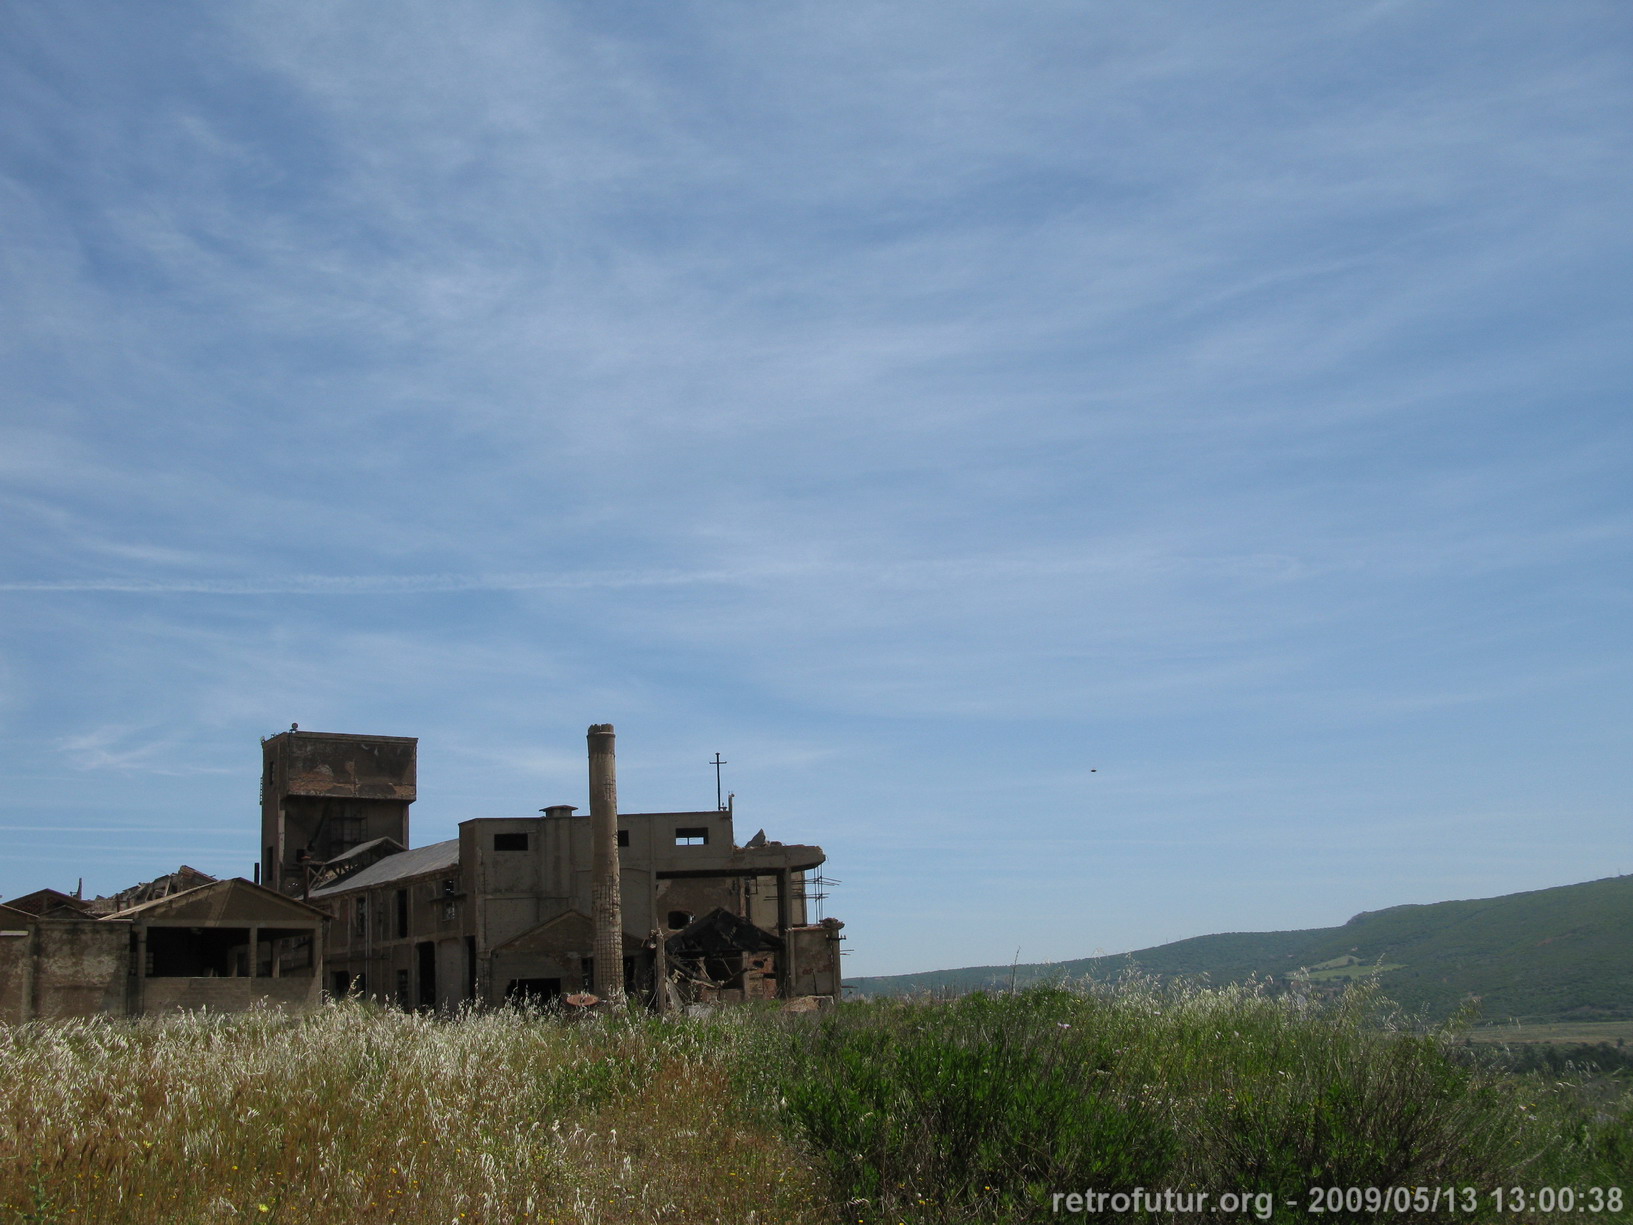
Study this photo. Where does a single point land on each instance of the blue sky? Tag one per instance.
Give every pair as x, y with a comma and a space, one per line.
1107, 472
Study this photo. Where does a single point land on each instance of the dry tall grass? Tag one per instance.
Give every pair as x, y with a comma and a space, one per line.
355, 1114
973, 1111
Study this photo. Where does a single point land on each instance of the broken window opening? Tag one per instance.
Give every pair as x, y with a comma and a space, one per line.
532, 992
198, 952
679, 919
692, 835
428, 974
510, 842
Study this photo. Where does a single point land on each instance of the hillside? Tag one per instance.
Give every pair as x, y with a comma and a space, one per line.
1550, 954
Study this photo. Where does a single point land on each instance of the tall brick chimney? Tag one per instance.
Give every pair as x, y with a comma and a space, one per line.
607, 980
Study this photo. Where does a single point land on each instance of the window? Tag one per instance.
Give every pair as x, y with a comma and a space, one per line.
450, 888
510, 842
692, 835
532, 992
623, 837
360, 916
679, 919
402, 913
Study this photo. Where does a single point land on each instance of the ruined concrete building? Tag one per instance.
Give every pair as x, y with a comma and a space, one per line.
505, 911
218, 944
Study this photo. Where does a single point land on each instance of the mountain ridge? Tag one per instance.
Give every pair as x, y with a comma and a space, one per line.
1559, 953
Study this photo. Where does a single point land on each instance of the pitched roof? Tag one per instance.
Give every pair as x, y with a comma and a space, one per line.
437, 857
720, 931
222, 901
48, 903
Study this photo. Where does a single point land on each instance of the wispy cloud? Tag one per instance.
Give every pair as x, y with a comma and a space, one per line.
906, 400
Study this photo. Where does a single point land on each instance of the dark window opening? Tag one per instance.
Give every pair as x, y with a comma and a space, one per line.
402, 913
532, 992
340, 983
428, 974
360, 917
510, 842
623, 837
679, 919
286, 952
198, 952
403, 1001
449, 888
692, 835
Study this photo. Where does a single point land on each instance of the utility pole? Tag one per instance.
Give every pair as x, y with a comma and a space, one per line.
719, 803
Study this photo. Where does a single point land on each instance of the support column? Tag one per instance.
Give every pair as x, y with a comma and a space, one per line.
606, 910
785, 910
138, 1003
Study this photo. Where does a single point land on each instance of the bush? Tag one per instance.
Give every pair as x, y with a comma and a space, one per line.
984, 1108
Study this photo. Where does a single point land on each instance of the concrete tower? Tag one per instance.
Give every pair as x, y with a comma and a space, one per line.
323, 793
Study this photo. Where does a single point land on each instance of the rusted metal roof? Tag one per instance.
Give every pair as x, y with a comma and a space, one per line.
438, 857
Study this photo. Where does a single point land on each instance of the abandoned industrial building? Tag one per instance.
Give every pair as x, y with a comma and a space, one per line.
664, 909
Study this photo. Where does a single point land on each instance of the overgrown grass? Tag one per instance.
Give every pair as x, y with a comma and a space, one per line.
981, 1109
975, 1110
358, 1114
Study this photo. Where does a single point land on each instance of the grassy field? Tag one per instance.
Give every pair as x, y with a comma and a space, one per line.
979, 1110
1571, 1032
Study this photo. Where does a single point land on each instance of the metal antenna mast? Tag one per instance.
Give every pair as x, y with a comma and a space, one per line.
717, 763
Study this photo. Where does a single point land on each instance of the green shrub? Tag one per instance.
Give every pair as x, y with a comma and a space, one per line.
984, 1108
987, 1104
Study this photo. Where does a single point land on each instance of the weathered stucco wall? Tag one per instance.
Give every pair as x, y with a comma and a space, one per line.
81, 967
228, 994
16, 967
816, 959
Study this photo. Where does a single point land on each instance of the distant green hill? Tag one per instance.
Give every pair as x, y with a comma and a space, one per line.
1549, 955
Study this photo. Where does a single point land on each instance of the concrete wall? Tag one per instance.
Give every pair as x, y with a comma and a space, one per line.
816, 959
521, 888
228, 994
63, 968
333, 791
81, 967
697, 896
16, 968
